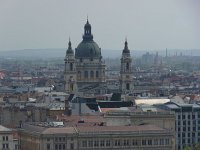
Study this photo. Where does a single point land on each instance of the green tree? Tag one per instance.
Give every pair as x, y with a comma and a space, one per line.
187, 148
197, 147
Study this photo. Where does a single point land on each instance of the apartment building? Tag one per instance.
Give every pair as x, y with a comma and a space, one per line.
187, 123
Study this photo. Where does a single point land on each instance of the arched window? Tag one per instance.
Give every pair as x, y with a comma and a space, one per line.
103, 73
97, 74
79, 75
86, 74
127, 66
92, 74
71, 87
127, 86
71, 66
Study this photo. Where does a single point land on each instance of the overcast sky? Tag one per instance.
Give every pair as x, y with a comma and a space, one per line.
147, 24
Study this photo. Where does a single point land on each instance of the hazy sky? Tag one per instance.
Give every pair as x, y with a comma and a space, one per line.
147, 24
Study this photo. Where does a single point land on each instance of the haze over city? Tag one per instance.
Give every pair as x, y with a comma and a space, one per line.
155, 24
99, 74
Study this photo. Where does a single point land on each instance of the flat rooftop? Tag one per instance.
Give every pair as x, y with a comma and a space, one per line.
34, 129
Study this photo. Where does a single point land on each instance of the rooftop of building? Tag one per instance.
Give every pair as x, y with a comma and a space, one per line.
151, 101
140, 128
176, 105
142, 109
4, 129
44, 128
83, 120
38, 129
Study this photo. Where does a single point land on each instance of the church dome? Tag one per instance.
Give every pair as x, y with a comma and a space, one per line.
88, 48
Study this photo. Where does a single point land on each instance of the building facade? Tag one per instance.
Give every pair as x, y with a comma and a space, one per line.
187, 124
89, 63
164, 120
85, 70
7, 140
146, 137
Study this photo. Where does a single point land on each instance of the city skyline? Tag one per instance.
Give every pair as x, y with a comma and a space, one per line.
151, 24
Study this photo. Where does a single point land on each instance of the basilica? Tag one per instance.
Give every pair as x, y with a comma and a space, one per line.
85, 70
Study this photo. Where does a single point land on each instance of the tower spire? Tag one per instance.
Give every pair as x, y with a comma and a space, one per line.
69, 44
87, 19
126, 44
126, 83
126, 50
69, 49
70, 70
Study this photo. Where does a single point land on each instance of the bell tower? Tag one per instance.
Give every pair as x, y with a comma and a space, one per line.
126, 80
70, 71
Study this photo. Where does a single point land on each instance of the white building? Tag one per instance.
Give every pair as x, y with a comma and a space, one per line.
7, 141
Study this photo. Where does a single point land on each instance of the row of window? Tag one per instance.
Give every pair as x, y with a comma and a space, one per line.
86, 74
60, 146
60, 139
189, 134
189, 116
91, 59
6, 146
187, 141
189, 129
5, 138
189, 122
125, 142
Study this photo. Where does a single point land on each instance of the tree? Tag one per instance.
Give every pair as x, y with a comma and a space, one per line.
187, 148
197, 147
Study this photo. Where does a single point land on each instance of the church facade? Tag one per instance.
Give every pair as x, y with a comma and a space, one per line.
85, 69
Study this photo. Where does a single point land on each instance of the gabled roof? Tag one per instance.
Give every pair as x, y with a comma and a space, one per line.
4, 129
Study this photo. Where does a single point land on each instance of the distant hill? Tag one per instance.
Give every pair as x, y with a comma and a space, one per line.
52, 53
60, 53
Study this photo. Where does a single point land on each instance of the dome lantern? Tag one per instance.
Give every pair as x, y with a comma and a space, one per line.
87, 32
88, 48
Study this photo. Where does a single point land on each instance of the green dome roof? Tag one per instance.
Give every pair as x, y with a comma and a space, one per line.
88, 49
